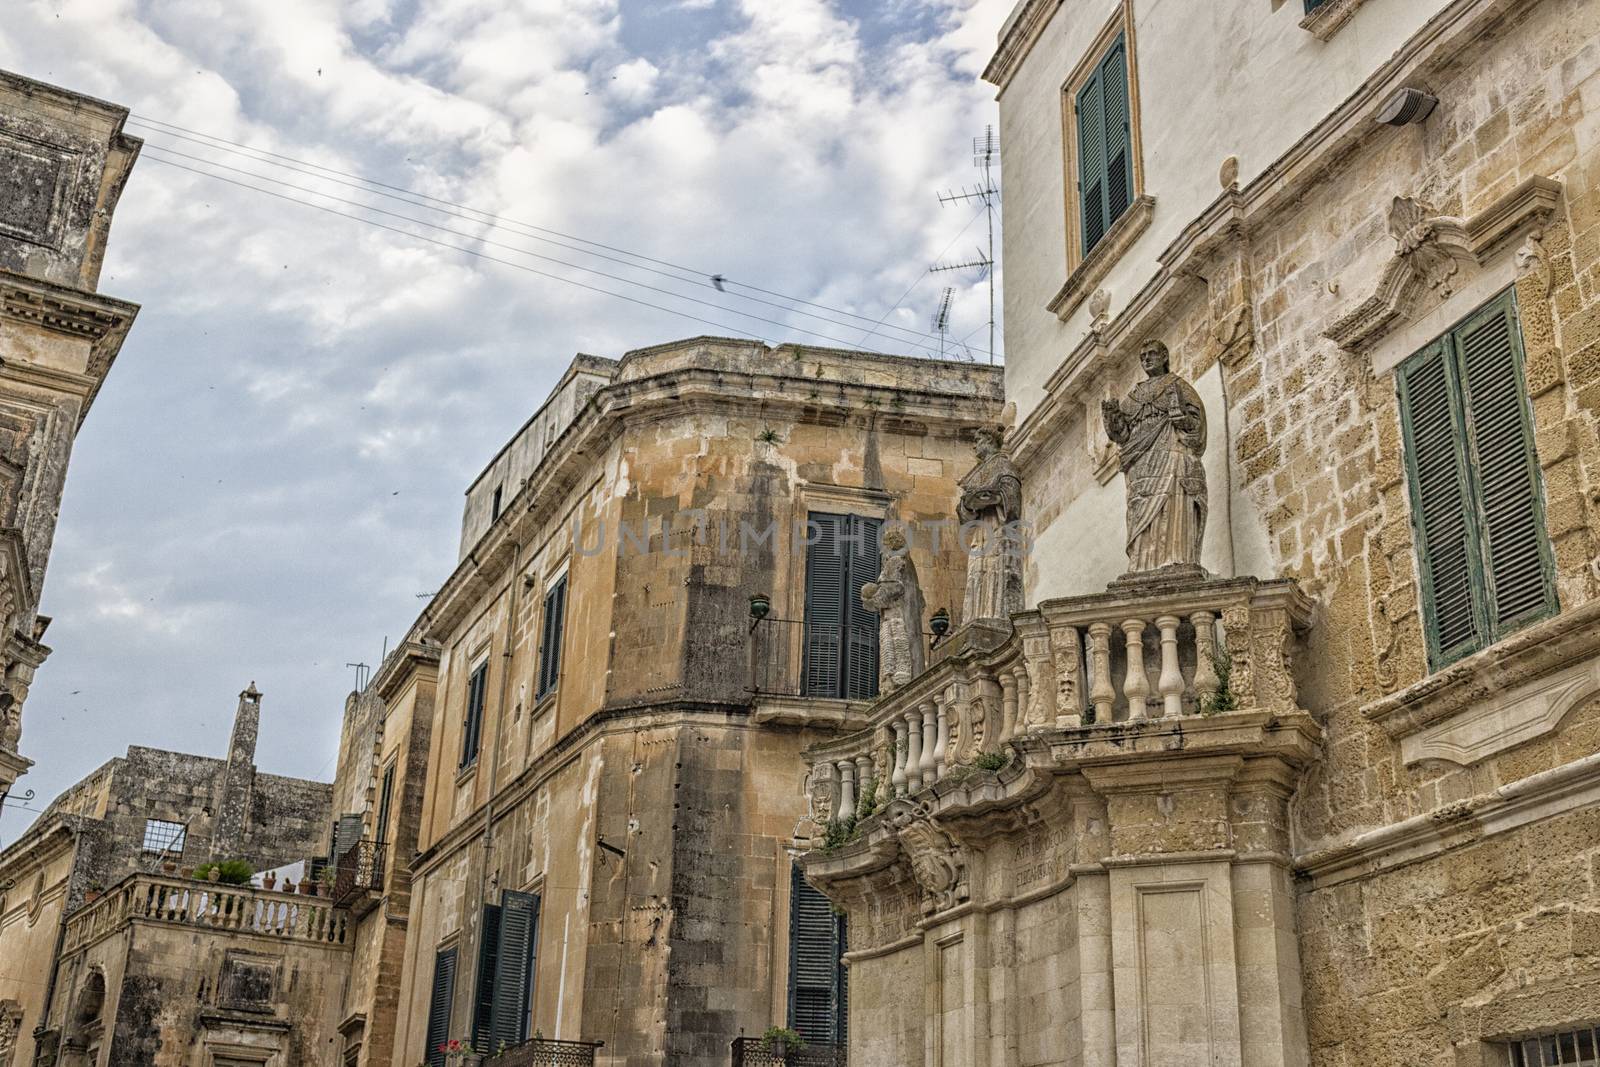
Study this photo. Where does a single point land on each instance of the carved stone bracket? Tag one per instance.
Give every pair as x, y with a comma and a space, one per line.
1430, 251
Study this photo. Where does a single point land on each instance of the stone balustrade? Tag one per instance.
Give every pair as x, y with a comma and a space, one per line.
208, 905
1147, 649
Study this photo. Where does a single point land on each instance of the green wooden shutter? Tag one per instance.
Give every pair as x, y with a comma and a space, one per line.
513, 976
385, 802
472, 725
861, 649
1118, 132
555, 612
817, 1004
824, 619
1440, 503
484, 991
444, 991
1518, 567
1476, 505
1092, 162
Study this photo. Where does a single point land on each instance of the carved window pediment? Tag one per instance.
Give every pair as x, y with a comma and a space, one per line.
1434, 255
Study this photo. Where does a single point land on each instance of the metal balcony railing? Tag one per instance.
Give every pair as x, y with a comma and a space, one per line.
358, 872
758, 1052
542, 1052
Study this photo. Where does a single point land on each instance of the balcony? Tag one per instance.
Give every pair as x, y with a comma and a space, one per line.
205, 906
358, 877
1145, 665
542, 1052
755, 1052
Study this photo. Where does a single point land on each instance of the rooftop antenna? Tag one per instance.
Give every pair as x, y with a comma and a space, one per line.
362, 672
986, 157
941, 318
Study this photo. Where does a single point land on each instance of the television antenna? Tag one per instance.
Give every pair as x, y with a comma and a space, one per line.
986, 157
941, 318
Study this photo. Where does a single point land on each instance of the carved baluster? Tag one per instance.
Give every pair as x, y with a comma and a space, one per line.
866, 784
901, 749
1069, 677
1170, 684
930, 740
1023, 692
1206, 682
941, 744
1102, 695
913, 722
847, 789
1008, 707
1136, 685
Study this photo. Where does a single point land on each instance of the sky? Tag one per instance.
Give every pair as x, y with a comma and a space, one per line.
274, 469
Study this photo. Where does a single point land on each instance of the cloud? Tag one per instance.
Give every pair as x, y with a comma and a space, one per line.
274, 469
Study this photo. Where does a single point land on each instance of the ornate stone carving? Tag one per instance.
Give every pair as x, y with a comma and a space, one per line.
1430, 251
1241, 672
1533, 260
1160, 428
1039, 663
10, 1025
897, 598
1275, 688
991, 509
1099, 310
937, 863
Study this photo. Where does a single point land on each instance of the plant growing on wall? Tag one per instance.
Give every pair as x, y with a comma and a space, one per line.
839, 832
1224, 699
780, 1041
990, 761
867, 803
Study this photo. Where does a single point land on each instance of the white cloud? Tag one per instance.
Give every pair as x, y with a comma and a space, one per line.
275, 466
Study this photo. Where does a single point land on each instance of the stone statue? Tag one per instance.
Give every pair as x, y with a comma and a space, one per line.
897, 598
1161, 429
991, 510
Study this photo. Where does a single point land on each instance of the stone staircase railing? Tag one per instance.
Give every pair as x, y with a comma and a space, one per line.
1158, 648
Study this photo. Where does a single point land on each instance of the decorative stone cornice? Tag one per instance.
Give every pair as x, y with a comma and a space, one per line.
1430, 250
1097, 264
1507, 694
1017, 38
401, 664
1330, 17
1537, 797
101, 320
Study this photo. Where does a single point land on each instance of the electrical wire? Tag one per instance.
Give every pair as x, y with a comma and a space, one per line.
455, 209
483, 240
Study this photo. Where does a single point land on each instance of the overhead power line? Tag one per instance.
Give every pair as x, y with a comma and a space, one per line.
675, 271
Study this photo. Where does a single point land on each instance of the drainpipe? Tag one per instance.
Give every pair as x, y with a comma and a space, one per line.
505, 694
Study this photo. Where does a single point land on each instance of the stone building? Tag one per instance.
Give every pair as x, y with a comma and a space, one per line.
88, 891
581, 771
63, 161
1335, 798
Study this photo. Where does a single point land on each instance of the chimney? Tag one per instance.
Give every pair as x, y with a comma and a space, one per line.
238, 780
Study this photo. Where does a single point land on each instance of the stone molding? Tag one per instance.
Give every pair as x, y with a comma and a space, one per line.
1238, 210
1329, 18
1507, 694
1089, 273
1541, 796
101, 320
1429, 252
1017, 38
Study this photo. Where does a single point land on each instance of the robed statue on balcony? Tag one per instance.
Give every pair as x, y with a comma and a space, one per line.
897, 598
1161, 429
991, 515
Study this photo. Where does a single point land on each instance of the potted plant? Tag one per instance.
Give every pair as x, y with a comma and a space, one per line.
235, 872
269, 880
457, 1051
781, 1041
93, 892
169, 865
308, 888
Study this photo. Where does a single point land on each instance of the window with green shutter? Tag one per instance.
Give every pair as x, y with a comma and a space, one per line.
507, 953
555, 612
818, 993
840, 634
444, 990
472, 722
1105, 145
1477, 509
385, 805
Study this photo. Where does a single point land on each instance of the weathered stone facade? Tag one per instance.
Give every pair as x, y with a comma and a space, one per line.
650, 794
1414, 880
93, 842
63, 161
